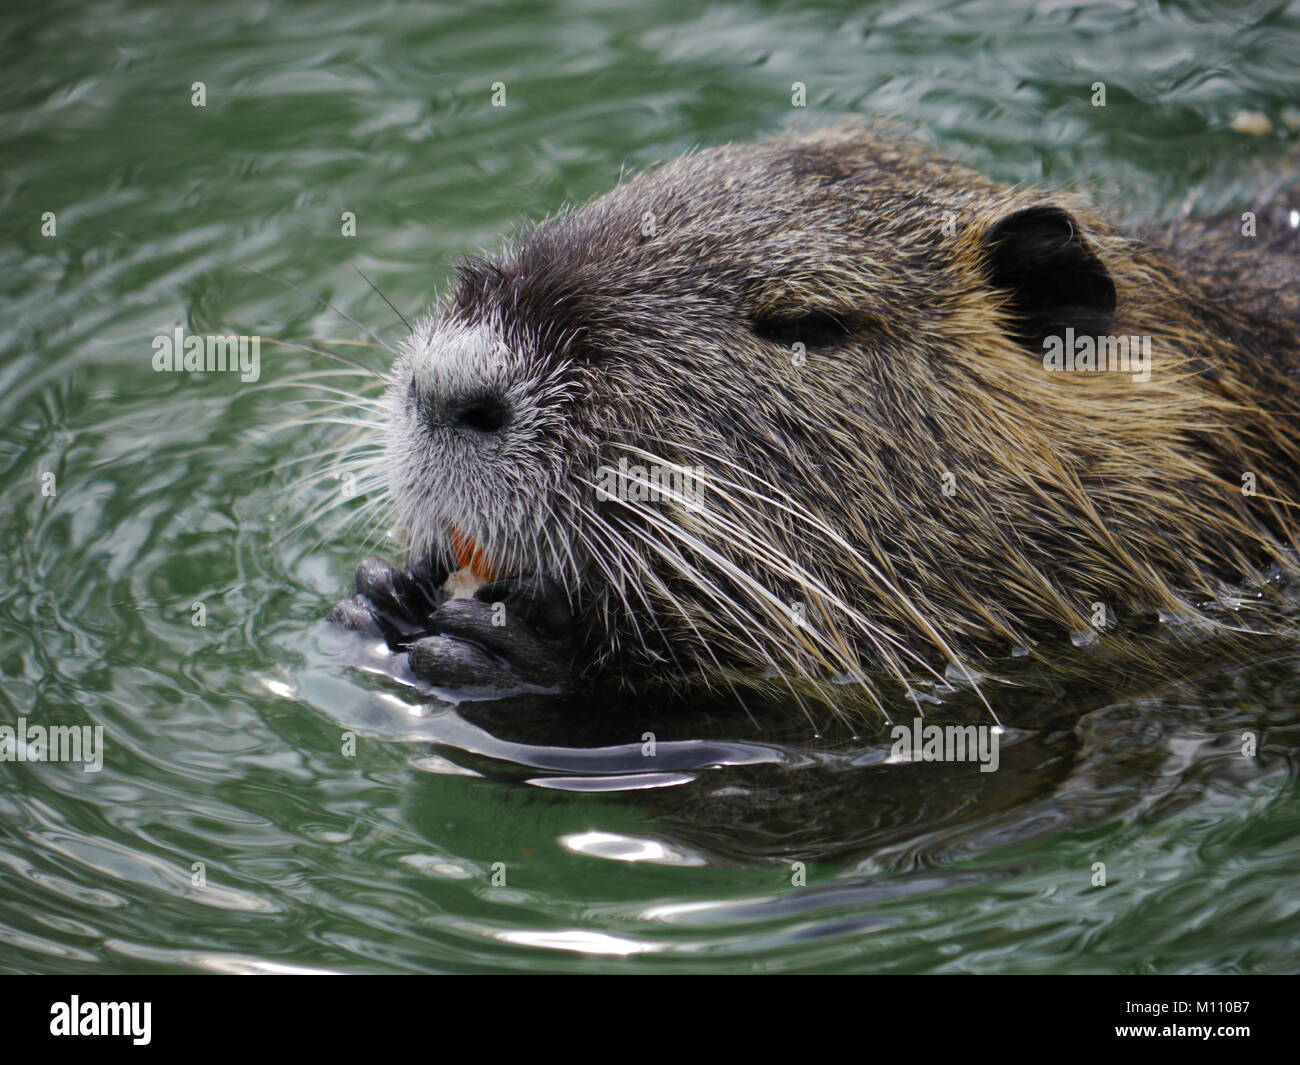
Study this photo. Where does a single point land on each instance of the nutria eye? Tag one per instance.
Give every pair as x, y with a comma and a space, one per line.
816, 329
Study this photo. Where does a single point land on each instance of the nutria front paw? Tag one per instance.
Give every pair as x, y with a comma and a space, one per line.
390, 604
513, 632
524, 622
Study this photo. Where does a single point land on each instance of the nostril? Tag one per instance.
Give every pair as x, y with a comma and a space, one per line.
483, 416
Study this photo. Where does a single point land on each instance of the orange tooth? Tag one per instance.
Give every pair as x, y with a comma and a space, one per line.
470, 556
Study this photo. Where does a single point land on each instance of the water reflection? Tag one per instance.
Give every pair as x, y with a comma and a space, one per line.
1099, 733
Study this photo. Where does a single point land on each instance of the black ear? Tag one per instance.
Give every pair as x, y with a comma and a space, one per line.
1053, 278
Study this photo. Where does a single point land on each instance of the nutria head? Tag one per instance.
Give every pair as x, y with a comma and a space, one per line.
844, 337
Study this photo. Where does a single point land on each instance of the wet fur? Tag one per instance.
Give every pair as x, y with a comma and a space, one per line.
670, 343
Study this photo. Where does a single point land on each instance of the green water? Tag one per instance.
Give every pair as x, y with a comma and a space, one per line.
448, 841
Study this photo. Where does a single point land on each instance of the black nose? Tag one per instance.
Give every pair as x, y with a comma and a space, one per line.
484, 414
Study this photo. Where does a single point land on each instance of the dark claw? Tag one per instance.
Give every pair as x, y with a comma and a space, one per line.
536, 601
392, 591
451, 663
429, 575
533, 653
361, 615
358, 616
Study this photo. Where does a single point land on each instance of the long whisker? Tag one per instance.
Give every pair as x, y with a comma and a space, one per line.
324, 303
375, 288
869, 571
332, 355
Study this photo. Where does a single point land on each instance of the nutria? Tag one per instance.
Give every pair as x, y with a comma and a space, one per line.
841, 344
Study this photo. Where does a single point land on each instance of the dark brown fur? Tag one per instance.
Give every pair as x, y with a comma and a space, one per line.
664, 312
